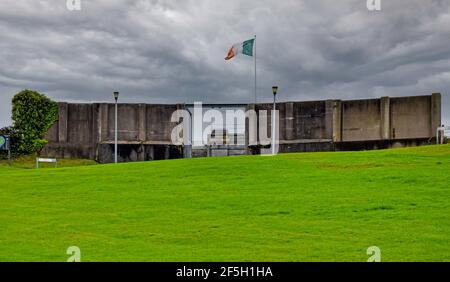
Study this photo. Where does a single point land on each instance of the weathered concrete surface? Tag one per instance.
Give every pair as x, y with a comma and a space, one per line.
72, 136
310, 120
361, 120
307, 147
87, 130
411, 117
435, 112
337, 121
300, 120
137, 152
385, 122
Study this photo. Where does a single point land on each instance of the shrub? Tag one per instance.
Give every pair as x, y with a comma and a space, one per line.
33, 114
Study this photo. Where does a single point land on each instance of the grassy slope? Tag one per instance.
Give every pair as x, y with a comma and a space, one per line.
29, 162
292, 207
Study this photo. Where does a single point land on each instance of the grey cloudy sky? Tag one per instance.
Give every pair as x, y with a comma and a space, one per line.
173, 51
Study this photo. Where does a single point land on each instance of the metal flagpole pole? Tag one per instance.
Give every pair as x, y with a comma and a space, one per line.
254, 55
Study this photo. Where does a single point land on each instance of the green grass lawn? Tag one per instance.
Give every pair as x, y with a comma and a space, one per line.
292, 207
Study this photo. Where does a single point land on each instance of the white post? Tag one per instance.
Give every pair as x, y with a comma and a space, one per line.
274, 117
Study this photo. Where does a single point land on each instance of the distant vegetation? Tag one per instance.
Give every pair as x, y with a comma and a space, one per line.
33, 114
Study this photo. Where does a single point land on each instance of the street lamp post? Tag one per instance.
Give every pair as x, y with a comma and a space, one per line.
116, 97
274, 91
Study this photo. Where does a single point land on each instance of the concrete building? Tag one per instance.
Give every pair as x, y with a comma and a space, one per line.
87, 130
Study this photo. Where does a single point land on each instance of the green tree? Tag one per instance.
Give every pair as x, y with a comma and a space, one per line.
33, 114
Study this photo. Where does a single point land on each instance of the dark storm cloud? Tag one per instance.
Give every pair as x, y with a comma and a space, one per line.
173, 51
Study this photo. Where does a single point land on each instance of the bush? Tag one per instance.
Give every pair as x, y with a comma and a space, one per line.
33, 114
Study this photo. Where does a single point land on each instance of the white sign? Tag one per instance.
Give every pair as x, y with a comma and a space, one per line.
46, 160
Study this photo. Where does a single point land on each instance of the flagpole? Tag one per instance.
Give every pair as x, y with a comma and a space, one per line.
256, 97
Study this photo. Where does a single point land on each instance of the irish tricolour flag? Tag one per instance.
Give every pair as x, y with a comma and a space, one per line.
245, 48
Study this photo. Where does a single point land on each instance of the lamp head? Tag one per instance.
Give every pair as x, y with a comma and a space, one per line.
275, 90
116, 95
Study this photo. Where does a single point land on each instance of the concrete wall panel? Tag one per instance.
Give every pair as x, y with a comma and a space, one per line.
411, 117
79, 123
310, 120
158, 122
52, 134
127, 122
361, 120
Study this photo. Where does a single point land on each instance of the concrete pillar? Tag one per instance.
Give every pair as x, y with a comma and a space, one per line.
104, 128
435, 113
62, 122
142, 122
96, 130
337, 121
329, 110
385, 120
289, 121
98, 122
